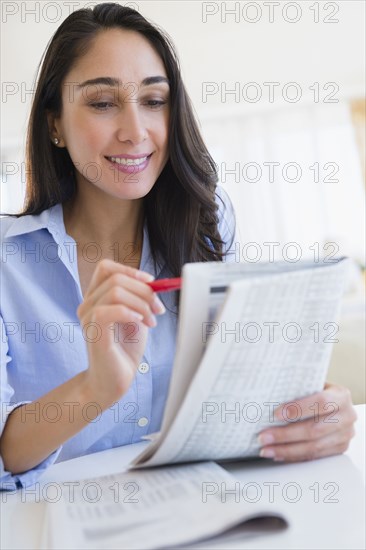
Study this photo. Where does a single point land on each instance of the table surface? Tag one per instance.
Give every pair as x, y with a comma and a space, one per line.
324, 500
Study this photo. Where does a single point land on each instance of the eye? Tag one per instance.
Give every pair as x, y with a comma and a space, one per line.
155, 103
101, 106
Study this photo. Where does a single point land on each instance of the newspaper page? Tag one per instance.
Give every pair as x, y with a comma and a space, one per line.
134, 509
269, 343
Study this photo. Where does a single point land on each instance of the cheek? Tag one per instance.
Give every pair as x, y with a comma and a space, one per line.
85, 136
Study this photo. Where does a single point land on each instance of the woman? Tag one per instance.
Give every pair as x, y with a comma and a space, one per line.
121, 190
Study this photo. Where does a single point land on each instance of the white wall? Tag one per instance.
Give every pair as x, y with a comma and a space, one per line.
224, 53
305, 52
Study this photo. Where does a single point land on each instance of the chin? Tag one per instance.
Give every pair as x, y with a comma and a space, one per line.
132, 192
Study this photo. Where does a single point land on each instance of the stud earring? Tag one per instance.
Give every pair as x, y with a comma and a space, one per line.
56, 141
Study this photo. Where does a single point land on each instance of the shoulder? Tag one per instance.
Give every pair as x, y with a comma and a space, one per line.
6, 243
6, 222
226, 211
22, 225
227, 219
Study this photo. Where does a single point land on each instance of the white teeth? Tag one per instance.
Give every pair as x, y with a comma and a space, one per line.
128, 162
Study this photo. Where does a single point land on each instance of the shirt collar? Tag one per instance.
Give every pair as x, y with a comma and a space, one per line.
34, 222
52, 219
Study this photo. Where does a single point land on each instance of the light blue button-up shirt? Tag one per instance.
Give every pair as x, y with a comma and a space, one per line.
43, 345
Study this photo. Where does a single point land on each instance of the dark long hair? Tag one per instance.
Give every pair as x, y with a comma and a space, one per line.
181, 211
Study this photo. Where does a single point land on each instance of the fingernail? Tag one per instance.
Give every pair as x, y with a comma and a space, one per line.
143, 276
158, 306
292, 412
267, 453
137, 315
265, 438
153, 320
278, 414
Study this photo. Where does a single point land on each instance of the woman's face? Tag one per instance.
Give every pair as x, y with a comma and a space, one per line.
110, 130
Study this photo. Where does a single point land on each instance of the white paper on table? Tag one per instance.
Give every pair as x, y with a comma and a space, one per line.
174, 505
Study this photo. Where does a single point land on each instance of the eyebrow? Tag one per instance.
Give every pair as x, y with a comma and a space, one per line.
111, 81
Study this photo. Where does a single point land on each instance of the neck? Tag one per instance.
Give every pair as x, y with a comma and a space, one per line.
95, 217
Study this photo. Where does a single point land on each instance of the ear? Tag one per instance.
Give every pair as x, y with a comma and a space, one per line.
54, 128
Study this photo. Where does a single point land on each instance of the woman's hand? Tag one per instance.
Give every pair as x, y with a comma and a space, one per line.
117, 310
319, 425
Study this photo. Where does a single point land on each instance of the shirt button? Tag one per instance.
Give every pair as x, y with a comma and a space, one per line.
142, 421
143, 368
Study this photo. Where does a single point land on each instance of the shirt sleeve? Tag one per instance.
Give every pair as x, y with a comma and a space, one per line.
227, 224
8, 481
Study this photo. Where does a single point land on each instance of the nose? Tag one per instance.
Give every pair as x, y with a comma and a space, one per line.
131, 126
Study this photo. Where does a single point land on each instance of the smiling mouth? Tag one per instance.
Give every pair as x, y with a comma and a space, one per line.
128, 161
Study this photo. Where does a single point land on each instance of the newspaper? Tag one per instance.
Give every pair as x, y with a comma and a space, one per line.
250, 337
159, 508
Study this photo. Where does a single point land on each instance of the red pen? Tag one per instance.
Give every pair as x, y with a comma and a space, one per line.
166, 285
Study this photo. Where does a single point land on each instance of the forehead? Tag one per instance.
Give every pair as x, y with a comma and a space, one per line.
118, 52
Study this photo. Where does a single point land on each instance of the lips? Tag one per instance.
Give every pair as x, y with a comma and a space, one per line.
129, 164
129, 160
